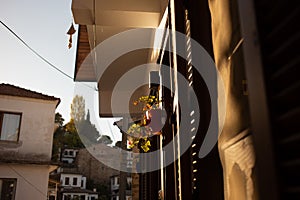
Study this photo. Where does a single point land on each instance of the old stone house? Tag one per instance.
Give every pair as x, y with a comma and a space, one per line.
27, 126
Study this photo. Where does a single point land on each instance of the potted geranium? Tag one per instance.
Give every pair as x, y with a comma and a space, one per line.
139, 133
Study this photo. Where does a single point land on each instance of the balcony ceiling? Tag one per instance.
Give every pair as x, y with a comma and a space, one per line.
123, 13
101, 19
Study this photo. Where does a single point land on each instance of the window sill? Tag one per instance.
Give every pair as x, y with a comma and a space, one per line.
10, 144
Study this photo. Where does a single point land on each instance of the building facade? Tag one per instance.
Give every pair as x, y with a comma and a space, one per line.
67, 182
252, 44
115, 186
73, 186
27, 126
69, 155
92, 168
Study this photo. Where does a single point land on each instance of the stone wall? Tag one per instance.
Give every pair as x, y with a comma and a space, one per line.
93, 169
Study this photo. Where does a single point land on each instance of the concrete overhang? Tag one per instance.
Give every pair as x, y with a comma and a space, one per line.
99, 20
129, 13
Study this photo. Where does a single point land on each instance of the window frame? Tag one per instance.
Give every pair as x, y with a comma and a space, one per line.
67, 181
15, 186
2, 113
75, 181
66, 153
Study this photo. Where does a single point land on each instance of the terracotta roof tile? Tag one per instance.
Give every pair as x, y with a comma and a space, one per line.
11, 90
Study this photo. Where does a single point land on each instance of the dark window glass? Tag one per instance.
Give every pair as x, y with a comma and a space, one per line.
7, 189
67, 181
74, 181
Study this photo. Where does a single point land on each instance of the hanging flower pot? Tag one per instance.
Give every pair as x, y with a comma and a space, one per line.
154, 117
139, 133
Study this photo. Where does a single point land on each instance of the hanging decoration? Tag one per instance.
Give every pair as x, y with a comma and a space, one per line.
139, 132
70, 32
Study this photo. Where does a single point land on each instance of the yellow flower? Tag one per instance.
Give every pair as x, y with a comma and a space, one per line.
131, 145
146, 145
133, 142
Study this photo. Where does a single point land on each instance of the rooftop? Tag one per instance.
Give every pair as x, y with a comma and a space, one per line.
11, 90
78, 190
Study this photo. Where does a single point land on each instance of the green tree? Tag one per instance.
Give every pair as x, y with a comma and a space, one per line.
57, 136
78, 109
65, 136
78, 132
105, 139
59, 119
71, 137
88, 131
118, 144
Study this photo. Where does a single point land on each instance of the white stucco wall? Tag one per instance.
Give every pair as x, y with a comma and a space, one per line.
71, 176
36, 130
32, 180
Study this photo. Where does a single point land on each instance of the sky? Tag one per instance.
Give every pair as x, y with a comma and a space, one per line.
43, 26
